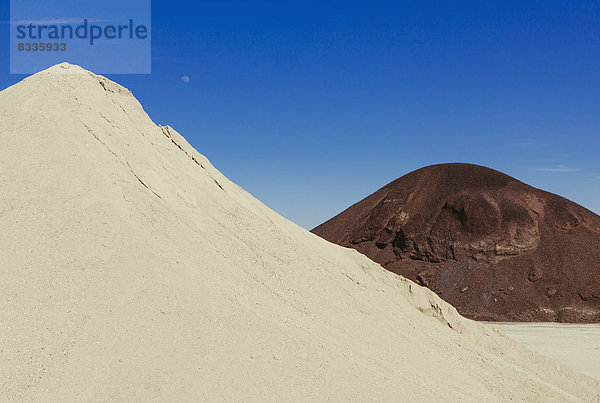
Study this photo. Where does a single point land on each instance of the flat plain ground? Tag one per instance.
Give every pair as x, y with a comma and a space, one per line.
575, 345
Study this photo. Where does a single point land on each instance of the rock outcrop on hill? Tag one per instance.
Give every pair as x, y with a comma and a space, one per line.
492, 246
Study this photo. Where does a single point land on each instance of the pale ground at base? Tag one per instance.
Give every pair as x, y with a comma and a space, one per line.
576, 345
132, 270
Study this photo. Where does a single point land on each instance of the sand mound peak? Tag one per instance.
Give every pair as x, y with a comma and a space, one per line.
131, 269
64, 68
68, 81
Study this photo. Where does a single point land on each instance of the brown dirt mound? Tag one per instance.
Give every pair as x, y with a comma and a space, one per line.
492, 246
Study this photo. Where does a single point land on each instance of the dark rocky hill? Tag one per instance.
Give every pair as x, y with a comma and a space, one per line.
492, 246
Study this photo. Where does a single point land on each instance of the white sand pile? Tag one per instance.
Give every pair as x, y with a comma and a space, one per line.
131, 269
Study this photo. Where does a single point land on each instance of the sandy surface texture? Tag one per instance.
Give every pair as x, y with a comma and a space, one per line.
575, 345
132, 270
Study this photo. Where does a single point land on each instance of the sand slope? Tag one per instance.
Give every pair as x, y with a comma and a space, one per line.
131, 269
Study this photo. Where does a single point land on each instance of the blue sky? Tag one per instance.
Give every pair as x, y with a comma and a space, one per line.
311, 107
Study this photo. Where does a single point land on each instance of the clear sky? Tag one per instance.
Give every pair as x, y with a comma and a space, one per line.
311, 106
